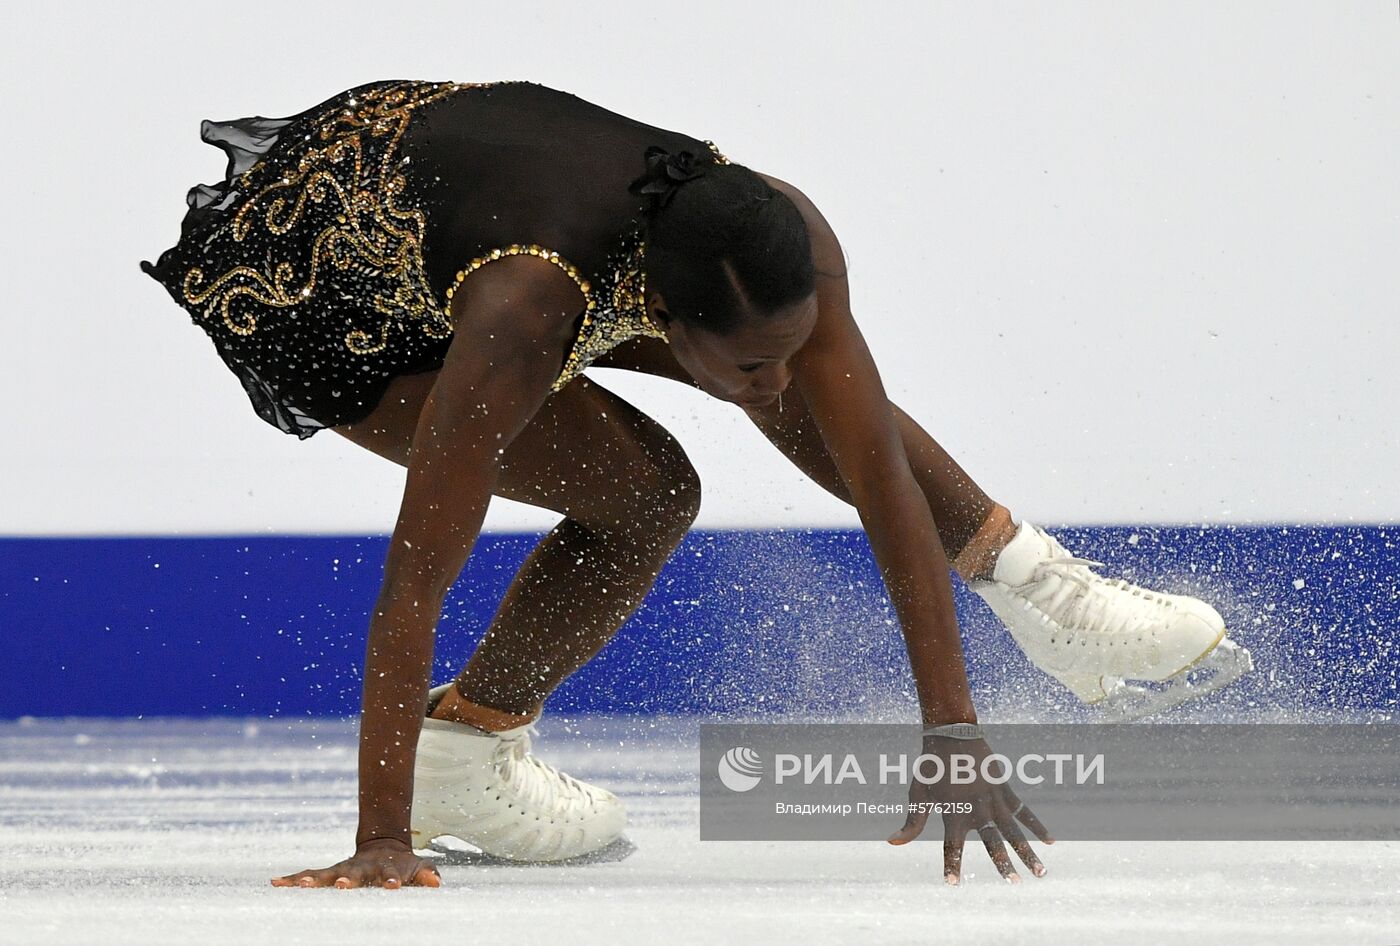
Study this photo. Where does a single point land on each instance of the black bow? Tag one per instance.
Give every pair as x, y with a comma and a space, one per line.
665, 173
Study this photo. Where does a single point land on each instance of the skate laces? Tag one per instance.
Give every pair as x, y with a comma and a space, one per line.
1066, 590
537, 783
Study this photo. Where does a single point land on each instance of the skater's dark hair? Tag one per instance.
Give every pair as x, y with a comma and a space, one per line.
722, 244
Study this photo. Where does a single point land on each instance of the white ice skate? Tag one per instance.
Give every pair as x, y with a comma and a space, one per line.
487, 789
1092, 634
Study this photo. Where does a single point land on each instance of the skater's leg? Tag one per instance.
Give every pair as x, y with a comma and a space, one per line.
628, 494
1058, 607
569, 598
972, 527
978, 528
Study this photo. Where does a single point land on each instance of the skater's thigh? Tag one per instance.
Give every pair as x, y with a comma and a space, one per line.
587, 454
388, 430
601, 461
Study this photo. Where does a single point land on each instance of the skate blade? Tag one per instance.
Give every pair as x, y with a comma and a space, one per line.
1219, 668
618, 850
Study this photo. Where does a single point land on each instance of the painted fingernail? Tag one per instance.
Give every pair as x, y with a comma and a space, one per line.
951, 879
1039, 870
1013, 878
306, 882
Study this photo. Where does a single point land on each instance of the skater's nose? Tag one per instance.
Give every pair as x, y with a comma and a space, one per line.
769, 382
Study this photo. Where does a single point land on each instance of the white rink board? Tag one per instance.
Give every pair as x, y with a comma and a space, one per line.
168, 831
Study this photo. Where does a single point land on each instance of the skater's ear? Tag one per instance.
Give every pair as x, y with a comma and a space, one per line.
657, 312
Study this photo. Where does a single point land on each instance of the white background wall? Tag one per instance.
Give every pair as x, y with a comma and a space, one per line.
1130, 261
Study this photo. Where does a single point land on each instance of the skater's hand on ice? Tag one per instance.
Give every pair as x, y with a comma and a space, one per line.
378, 863
990, 810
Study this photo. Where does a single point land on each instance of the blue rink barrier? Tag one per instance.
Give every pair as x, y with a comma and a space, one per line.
738, 622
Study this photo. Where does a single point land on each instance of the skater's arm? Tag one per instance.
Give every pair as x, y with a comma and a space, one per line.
497, 373
836, 375
496, 376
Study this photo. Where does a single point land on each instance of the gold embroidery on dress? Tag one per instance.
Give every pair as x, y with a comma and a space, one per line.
372, 236
616, 316
382, 242
606, 327
610, 316
719, 155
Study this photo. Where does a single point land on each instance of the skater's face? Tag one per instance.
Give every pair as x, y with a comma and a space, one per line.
747, 366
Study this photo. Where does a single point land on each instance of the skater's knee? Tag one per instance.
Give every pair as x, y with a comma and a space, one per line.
656, 496
673, 498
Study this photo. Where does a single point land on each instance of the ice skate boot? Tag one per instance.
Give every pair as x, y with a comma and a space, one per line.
485, 788
1093, 634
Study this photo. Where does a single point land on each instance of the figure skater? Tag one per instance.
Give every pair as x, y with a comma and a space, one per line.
427, 268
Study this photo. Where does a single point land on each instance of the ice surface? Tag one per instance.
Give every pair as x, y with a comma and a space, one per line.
167, 831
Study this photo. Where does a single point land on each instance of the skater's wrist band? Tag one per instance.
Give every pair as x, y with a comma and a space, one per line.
955, 731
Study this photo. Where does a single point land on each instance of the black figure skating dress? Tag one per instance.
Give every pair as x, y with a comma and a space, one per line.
323, 265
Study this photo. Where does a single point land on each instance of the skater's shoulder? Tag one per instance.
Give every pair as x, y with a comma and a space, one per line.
827, 255
520, 298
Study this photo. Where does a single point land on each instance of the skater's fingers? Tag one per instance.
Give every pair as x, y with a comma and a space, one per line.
1023, 814
1007, 826
306, 878
954, 836
427, 876
991, 839
389, 876
396, 876
913, 825
290, 880
353, 873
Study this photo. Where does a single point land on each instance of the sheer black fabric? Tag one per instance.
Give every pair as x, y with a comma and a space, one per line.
320, 265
